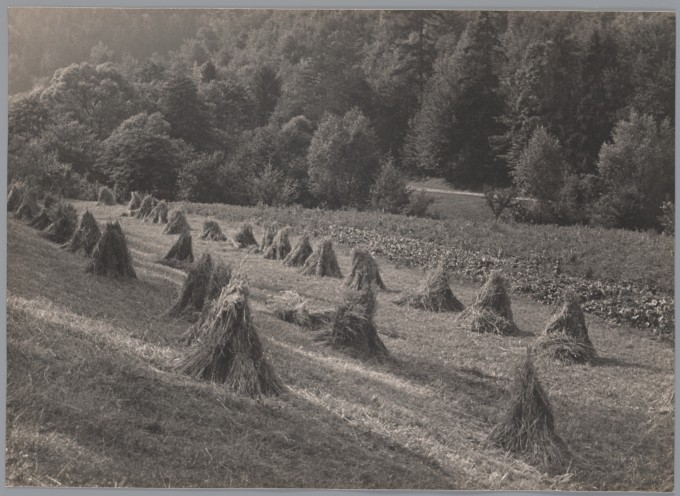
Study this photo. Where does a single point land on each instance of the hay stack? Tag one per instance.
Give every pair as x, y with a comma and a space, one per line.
145, 207
267, 238
491, 311
106, 197
528, 426
434, 294
212, 231
42, 220
159, 213
15, 196
299, 255
353, 328
322, 262
220, 276
290, 307
228, 350
177, 223
111, 256
566, 335
133, 204
364, 270
49, 200
203, 281
86, 236
244, 237
64, 224
28, 208
280, 245
181, 253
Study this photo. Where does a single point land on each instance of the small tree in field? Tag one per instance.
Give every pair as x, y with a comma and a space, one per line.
389, 193
540, 169
499, 199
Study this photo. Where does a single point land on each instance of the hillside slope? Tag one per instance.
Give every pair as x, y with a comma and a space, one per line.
92, 399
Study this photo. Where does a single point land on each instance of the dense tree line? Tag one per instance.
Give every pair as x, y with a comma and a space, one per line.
334, 108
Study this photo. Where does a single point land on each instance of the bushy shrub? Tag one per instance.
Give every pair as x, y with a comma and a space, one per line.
667, 219
498, 200
418, 205
540, 167
625, 208
273, 188
389, 192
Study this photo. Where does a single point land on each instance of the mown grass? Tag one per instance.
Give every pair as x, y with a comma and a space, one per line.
607, 255
93, 400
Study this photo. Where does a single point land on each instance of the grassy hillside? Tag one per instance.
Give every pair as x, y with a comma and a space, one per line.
92, 398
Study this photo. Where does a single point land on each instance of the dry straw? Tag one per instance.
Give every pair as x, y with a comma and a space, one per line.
212, 231
145, 207
181, 253
28, 208
267, 238
15, 196
491, 311
323, 261
244, 237
204, 282
300, 253
159, 213
177, 223
434, 294
86, 236
106, 197
64, 223
527, 427
566, 335
42, 220
228, 350
290, 307
364, 270
353, 328
134, 203
111, 256
279, 248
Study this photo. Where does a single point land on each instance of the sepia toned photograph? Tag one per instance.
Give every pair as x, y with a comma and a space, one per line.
340, 249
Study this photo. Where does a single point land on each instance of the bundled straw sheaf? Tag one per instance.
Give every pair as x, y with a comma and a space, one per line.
111, 256
86, 236
204, 282
353, 328
434, 294
145, 207
290, 307
181, 253
300, 253
566, 335
106, 197
228, 350
177, 223
364, 270
64, 223
212, 231
528, 427
43, 219
267, 238
159, 213
491, 311
279, 248
15, 196
133, 204
322, 262
28, 208
244, 237
49, 200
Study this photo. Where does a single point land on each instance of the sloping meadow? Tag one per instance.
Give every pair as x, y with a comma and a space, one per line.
94, 399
